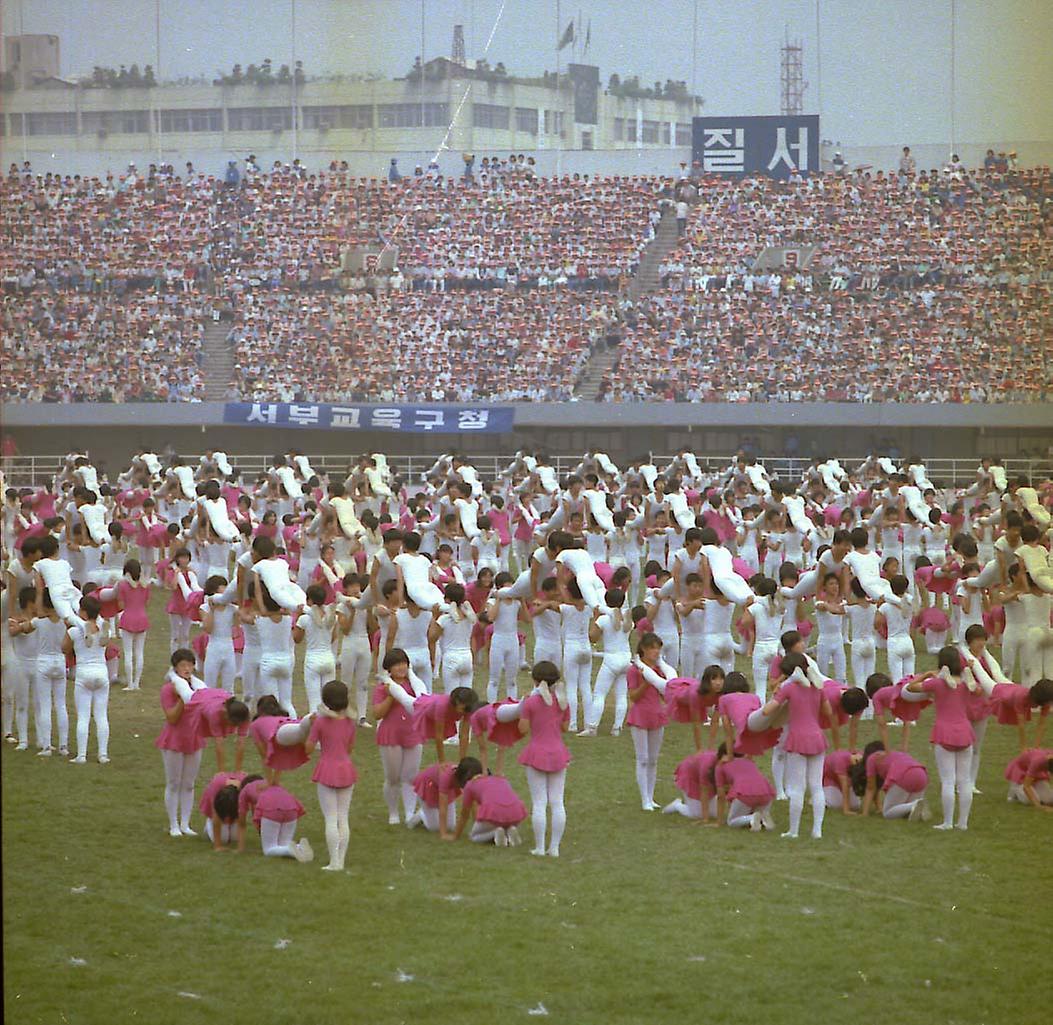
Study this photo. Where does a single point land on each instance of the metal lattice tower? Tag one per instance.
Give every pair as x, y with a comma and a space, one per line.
792, 77
457, 56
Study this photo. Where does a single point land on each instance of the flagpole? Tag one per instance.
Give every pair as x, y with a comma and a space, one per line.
559, 103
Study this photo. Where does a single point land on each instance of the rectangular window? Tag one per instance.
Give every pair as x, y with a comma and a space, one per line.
683, 134
650, 131
526, 120
210, 120
360, 116
665, 133
489, 115
553, 122
133, 122
259, 119
619, 129
630, 129
47, 123
410, 115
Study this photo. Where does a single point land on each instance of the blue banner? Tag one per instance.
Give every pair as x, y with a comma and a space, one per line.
749, 146
355, 417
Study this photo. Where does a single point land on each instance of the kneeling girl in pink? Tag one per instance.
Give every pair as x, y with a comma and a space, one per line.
496, 806
438, 790
275, 813
894, 782
744, 795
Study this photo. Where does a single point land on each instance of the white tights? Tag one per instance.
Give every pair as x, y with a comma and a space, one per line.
219, 668
955, 769
250, 674
900, 658
317, 673
740, 815
276, 838
17, 681
647, 744
430, 817
275, 677
483, 832
179, 627
831, 652
898, 804
577, 672
504, 662
49, 684
336, 805
690, 807
979, 731
401, 764
355, 660
91, 697
134, 645
546, 792
613, 670
805, 771
180, 775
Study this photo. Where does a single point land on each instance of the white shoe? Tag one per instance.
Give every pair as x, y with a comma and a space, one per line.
964, 829
587, 732
755, 822
451, 741
789, 836
781, 797
500, 837
22, 747
303, 852
364, 723
616, 731
413, 821
553, 852
331, 868
943, 826
11, 738
977, 791
187, 831
514, 839
174, 831
537, 852
130, 687
394, 820
104, 760
45, 752
64, 751
766, 820
79, 760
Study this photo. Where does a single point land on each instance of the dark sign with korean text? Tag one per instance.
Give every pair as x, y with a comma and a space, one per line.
356, 417
750, 146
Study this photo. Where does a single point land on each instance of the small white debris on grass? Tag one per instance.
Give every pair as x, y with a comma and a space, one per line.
175, 914
78, 962
699, 958
807, 911
282, 944
401, 976
187, 995
541, 1011
453, 898
78, 889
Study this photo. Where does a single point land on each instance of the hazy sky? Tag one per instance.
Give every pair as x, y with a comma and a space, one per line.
885, 63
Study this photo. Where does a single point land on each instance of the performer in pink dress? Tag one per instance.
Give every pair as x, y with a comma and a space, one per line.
180, 742
275, 813
400, 738
333, 731
744, 795
498, 809
437, 790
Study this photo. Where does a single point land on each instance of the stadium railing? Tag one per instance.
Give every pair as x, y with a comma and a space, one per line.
33, 471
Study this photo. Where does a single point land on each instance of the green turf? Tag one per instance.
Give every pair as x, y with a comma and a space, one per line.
645, 918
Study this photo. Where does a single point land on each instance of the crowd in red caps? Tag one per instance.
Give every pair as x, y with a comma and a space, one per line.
927, 288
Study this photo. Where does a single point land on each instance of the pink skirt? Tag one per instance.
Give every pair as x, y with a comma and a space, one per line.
277, 805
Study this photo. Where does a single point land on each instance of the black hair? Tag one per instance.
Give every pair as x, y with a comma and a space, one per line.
334, 696
503, 579
735, 683
614, 598
651, 568
854, 700
91, 607
974, 632
763, 587
790, 639
1041, 693
789, 663
268, 705
875, 681
215, 583
263, 547
467, 768
26, 597
648, 640
225, 803
454, 593
466, 698
545, 672
857, 774
950, 658
316, 594
899, 584
395, 657
182, 655
859, 537
237, 711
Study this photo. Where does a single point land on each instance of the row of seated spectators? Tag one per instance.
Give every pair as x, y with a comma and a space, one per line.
932, 288
929, 289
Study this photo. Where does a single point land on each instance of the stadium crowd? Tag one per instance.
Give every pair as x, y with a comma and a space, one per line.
930, 288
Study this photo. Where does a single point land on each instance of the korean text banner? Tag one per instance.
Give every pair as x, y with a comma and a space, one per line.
767, 146
353, 417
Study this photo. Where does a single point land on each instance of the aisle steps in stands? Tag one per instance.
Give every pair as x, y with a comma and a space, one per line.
219, 361
645, 281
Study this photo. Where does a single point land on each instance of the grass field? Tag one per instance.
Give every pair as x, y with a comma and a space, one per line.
645, 918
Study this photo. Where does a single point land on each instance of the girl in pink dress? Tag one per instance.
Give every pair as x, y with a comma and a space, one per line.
837, 781
498, 809
334, 732
219, 805
180, 742
441, 716
437, 790
279, 738
184, 605
743, 792
698, 793
275, 813
691, 701
133, 593
902, 781
488, 729
734, 707
887, 700
399, 737
804, 741
952, 733
544, 715
1029, 774
646, 680
218, 715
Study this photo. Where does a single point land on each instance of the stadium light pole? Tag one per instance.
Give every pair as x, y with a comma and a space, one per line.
157, 77
818, 59
694, 51
954, 56
295, 138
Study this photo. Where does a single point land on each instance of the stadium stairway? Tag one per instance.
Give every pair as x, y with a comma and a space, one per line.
645, 281
219, 360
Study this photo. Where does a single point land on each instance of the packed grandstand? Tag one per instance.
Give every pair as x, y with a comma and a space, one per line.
934, 287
